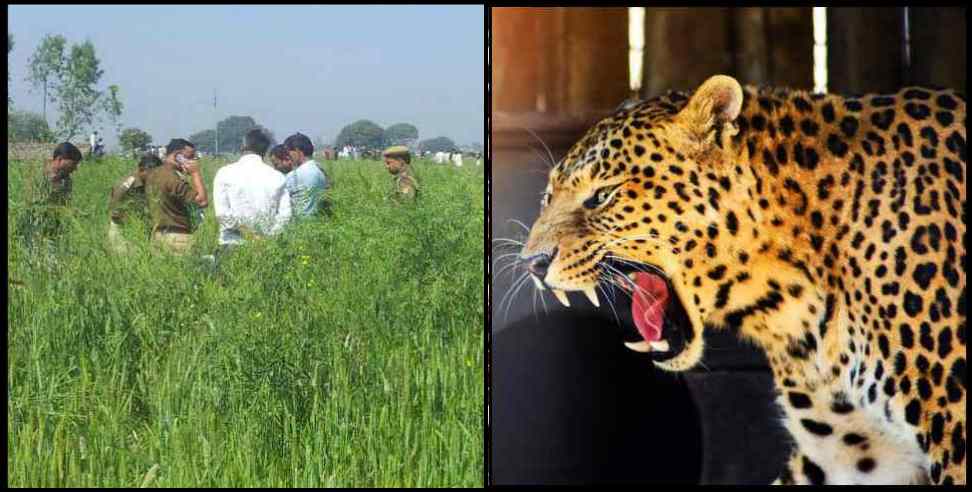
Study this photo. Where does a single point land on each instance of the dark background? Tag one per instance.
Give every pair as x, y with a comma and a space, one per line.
569, 403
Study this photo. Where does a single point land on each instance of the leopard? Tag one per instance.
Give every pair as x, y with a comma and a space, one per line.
825, 230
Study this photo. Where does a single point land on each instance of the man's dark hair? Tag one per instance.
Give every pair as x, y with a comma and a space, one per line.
177, 144
67, 150
299, 141
149, 161
256, 141
280, 152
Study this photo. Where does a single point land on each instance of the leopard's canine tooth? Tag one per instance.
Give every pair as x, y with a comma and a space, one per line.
537, 282
592, 296
641, 346
562, 297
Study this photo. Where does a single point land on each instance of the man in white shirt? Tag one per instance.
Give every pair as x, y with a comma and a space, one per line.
250, 197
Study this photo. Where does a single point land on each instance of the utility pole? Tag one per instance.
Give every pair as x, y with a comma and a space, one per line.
216, 114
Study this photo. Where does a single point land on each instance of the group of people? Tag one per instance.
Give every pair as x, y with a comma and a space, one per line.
251, 200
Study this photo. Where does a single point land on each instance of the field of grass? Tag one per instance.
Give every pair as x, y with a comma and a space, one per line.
346, 352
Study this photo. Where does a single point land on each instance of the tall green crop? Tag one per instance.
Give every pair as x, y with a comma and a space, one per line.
346, 352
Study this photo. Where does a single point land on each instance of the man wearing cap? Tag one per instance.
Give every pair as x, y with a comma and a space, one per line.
397, 162
170, 197
128, 198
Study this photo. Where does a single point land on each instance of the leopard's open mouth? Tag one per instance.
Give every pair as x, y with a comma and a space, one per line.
650, 313
643, 302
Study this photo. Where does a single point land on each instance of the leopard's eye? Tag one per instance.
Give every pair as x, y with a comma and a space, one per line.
544, 199
599, 197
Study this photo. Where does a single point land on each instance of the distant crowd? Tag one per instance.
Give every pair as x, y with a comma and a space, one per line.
252, 199
454, 157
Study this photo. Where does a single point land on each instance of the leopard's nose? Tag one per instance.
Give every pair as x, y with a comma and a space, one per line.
538, 264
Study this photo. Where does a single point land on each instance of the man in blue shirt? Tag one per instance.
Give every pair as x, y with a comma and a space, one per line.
307, 182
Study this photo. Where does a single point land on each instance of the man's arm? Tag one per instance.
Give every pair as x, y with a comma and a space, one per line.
284, 212
408, 187
115, 203
195, 174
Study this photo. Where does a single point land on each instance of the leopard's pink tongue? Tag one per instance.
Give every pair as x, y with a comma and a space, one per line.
648, 308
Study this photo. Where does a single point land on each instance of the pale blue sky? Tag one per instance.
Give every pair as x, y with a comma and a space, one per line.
292, 68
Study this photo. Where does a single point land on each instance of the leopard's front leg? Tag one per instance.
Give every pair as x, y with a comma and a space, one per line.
801, 470
943, 434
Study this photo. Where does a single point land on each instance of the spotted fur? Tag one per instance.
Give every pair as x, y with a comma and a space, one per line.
827, 230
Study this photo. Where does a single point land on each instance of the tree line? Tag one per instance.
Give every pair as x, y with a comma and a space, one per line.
368, 135
68, 75
362, 134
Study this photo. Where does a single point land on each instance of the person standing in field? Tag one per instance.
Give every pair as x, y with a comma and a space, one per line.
41, 221
93, 142
170, 197
250, 197
128, 198
397, 162
307, 182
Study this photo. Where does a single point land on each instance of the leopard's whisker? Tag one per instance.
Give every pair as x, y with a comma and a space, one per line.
506, 240
511, 267
552, 162
504, 256
610, 301
521, 224
511, 294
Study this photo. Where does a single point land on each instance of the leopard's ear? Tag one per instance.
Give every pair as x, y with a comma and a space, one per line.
716, 102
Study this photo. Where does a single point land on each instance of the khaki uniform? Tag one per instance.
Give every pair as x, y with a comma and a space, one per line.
127, 198
173, 242
404, 186
169, 197
43, 217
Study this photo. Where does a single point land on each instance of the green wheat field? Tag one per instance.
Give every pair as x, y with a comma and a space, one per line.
346, 352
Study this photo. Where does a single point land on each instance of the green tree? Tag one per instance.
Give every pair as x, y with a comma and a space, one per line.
401, 134
231, 132
46, 66
437, 144
363, 134
134, 140
77, 97
24, 126
71, 82
113, 107
205, 141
